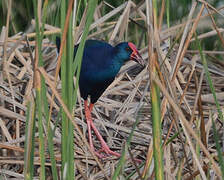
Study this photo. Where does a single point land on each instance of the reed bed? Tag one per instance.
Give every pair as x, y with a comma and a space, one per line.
189, 115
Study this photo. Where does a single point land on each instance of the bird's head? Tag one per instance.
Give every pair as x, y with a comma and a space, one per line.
127, 50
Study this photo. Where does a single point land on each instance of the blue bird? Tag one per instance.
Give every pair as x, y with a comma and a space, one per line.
101, 63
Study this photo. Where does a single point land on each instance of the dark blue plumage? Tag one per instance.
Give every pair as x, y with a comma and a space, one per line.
100, 64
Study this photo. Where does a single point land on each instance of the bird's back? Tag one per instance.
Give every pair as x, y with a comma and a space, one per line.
96, 54
97, 70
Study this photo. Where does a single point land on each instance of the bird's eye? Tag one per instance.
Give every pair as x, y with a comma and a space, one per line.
128, 49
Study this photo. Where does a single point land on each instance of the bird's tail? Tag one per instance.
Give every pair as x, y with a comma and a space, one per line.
58, 43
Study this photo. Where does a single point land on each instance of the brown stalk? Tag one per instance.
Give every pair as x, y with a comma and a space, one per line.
150, 54
186, 126
174, 28
210, 6
63, 41
214, 25
181, 99
187, 43
161, 15
200, 109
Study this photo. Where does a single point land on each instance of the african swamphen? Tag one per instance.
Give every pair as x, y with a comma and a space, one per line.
100, 64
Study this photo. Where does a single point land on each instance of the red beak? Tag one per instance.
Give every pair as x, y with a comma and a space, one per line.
135, 56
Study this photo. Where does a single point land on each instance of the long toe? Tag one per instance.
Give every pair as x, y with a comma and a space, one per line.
108, 151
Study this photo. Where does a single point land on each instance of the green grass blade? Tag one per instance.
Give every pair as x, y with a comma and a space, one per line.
168, 13
41, 100
133, 173
69, 81
67, 90
41, 135
156, 110
156, 130
64, 123
78, 58
46, 109
29, 142
38, 96
70, 141
205, 65
218, 147
124, 152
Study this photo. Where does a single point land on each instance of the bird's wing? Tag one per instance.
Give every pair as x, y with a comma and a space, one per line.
97, 44
90, 46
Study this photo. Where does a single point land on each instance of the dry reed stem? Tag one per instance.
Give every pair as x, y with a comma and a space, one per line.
214, 25
181, 52
165, 33
186, 127
121, 20
113, 113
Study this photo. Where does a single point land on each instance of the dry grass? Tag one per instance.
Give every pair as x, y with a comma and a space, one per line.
115, 112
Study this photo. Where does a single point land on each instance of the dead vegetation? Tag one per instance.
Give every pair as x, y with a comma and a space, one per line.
125, 100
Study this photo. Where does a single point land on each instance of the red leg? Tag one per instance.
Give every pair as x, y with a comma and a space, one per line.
91, 107
89, 120
90, 125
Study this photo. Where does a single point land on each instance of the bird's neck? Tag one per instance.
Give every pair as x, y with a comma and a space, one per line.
118, 58
117, 61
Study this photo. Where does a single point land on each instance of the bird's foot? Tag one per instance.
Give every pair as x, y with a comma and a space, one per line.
104, 147
104, 152
107, 151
